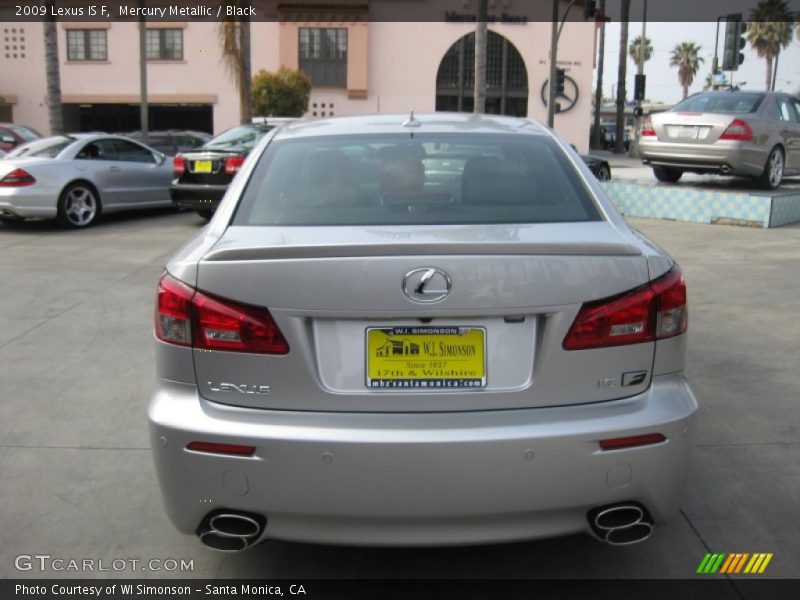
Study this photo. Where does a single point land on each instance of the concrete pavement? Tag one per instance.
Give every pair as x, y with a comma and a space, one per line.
76, 479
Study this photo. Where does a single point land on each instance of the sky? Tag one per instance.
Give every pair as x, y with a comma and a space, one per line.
662, 80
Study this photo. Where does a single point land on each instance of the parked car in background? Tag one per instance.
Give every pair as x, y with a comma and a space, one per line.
426, 330
202, 176
76, 178
609, 135
598, 166
12, 135
172, 141
750, 134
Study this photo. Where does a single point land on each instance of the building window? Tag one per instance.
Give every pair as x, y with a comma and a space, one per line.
323, 56
164, 44
506, 77
87, 44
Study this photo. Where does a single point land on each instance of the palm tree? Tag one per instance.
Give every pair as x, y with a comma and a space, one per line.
55, 110
770, 28
634, 50
685, 57
622, 71
479, 94
234, 37
598, 93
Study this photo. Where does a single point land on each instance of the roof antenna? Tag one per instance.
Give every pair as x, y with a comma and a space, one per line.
411, 121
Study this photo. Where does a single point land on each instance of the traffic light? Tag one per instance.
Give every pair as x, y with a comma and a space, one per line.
590, 10
561, 76
638, 87
735, 42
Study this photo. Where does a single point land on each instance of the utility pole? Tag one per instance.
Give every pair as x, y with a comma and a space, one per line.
479, 94
551, 86
640, 72
143, 114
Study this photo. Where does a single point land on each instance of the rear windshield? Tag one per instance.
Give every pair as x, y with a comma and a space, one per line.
26, 134
721, 102
42, 148
424, 179
238, 138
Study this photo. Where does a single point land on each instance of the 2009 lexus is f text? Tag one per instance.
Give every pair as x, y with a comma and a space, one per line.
419, 330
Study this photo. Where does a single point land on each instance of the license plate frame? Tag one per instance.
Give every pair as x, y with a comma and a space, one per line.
203, 166
445, 358
687, 132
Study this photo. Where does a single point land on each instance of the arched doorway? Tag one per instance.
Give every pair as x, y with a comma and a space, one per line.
506, 77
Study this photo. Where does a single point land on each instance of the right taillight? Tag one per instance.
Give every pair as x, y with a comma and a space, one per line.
737, 130
179, 165
188, 317
654, 311
647, 128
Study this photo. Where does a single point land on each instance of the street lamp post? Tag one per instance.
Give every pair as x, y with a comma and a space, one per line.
640, 72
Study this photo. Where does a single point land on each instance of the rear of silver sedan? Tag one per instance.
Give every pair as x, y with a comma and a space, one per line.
428, 333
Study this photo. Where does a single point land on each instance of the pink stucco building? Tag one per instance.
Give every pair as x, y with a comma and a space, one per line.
360, 61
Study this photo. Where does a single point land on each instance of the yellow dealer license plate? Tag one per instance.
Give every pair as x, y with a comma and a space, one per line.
202, 166
426, 357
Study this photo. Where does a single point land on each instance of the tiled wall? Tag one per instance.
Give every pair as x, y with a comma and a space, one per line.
703, 206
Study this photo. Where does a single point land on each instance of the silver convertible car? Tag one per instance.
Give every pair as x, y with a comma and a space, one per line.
419, 330
75, 178
750, 134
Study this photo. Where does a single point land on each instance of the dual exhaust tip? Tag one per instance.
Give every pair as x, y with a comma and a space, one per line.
233, 531
621, 524
230, 531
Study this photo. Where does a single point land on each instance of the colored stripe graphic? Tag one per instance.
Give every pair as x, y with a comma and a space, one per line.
735, 563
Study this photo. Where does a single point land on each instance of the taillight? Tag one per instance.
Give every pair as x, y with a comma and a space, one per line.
647, 128
17, 178
188, 317
233, 164
737, 130
656, 310
179, 165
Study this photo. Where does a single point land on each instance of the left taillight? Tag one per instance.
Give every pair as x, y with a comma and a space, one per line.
179, 165
657, 310
188, 317
17, 178
647, 128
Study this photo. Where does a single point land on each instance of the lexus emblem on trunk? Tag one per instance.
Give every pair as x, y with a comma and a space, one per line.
426, 285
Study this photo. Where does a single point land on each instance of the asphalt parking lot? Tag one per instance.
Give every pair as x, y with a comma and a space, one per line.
76, 367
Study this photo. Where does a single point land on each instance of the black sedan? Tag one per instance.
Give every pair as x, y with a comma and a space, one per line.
203, 175
598, 166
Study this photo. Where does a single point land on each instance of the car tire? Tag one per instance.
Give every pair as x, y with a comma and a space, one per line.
773, 170
78, 206
667, 175
603, 173
206, 214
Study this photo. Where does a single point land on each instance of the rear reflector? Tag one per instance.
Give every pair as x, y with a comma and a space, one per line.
188, 317
737, 130
17, 178
632, 441
234, 449
233, 164
179, 165
647, 128
656, 310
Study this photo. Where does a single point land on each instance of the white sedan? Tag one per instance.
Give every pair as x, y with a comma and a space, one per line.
75, 178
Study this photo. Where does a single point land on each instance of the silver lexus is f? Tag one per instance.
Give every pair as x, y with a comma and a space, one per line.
402, 330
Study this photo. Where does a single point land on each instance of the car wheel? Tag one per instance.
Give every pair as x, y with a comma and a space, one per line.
78, 206
667, 175
206, 214
603, 173
773, 170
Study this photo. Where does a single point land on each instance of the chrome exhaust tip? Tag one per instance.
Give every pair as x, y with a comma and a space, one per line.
621, 524
230, 531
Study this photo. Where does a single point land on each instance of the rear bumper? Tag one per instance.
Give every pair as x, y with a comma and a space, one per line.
721, 157
415, 479
28, 202
197, 197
